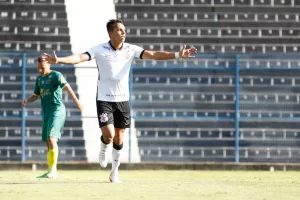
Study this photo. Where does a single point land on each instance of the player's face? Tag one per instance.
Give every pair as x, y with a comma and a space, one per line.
119, 33
43, 67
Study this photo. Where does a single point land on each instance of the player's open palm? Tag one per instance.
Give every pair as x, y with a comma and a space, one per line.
50, 59
187, 53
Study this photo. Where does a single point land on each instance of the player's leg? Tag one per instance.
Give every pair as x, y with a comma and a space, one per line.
121, 121
53, 154
55, 126
105, 118
116, 154
44, 139
106, 139
48, 155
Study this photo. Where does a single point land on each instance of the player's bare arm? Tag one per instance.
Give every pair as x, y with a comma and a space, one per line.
75, 99
29, 99
164, 55
71, 60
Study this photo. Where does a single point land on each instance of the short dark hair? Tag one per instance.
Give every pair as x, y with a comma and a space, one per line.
111, 24
40, 59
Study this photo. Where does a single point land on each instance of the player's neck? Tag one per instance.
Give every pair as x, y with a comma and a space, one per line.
116, 45
46, 72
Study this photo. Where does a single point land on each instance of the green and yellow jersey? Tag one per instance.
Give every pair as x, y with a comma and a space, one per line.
49, 89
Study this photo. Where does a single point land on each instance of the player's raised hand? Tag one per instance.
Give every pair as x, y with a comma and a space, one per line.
186, 53
50, 59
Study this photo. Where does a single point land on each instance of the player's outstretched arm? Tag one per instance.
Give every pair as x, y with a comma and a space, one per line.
69, 60
164, 55
29, 99
72, 94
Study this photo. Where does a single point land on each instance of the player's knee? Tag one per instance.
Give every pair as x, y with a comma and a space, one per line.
52, 142
109, 139
119, 134
118, 139
106, 139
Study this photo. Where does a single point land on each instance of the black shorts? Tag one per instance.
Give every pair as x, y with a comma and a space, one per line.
116, 113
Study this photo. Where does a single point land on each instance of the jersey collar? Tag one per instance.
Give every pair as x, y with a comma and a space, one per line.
109, 42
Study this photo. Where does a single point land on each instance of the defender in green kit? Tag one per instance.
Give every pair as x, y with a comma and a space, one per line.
48, 87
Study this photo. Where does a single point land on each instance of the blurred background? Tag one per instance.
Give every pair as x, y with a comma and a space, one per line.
238, 101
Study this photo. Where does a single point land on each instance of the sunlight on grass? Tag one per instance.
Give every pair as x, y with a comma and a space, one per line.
152, 185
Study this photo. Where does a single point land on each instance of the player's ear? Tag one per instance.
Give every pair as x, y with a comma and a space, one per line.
110, 33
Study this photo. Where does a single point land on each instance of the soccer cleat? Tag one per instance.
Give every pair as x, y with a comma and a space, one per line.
51, 174
114, 177
43, 176
102, 157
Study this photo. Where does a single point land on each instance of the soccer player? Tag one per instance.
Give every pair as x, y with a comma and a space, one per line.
48, 87
113, 59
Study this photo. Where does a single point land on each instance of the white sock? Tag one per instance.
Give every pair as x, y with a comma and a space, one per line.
103, 146
116, 154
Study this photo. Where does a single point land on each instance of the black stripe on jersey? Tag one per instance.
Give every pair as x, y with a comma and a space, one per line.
141, 56
90, 57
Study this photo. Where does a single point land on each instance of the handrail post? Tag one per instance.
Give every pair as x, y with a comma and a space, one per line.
23, 109
237, 115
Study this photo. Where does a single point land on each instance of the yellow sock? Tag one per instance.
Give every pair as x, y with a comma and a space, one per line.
49, 159
53, 157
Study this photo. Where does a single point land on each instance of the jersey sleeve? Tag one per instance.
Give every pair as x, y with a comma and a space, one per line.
61, 80
37, 90
138, 51
92, 52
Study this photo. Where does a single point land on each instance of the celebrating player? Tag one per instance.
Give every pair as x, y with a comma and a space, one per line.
114, 59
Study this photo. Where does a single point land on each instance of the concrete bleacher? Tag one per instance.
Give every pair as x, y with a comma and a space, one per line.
188, 115
45, 25
175, 114
232, 26
178, 119
33, 26
182, 113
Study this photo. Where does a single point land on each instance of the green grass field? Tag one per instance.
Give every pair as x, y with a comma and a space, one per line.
152, 185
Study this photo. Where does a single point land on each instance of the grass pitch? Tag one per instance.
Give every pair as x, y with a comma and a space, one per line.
152, 185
